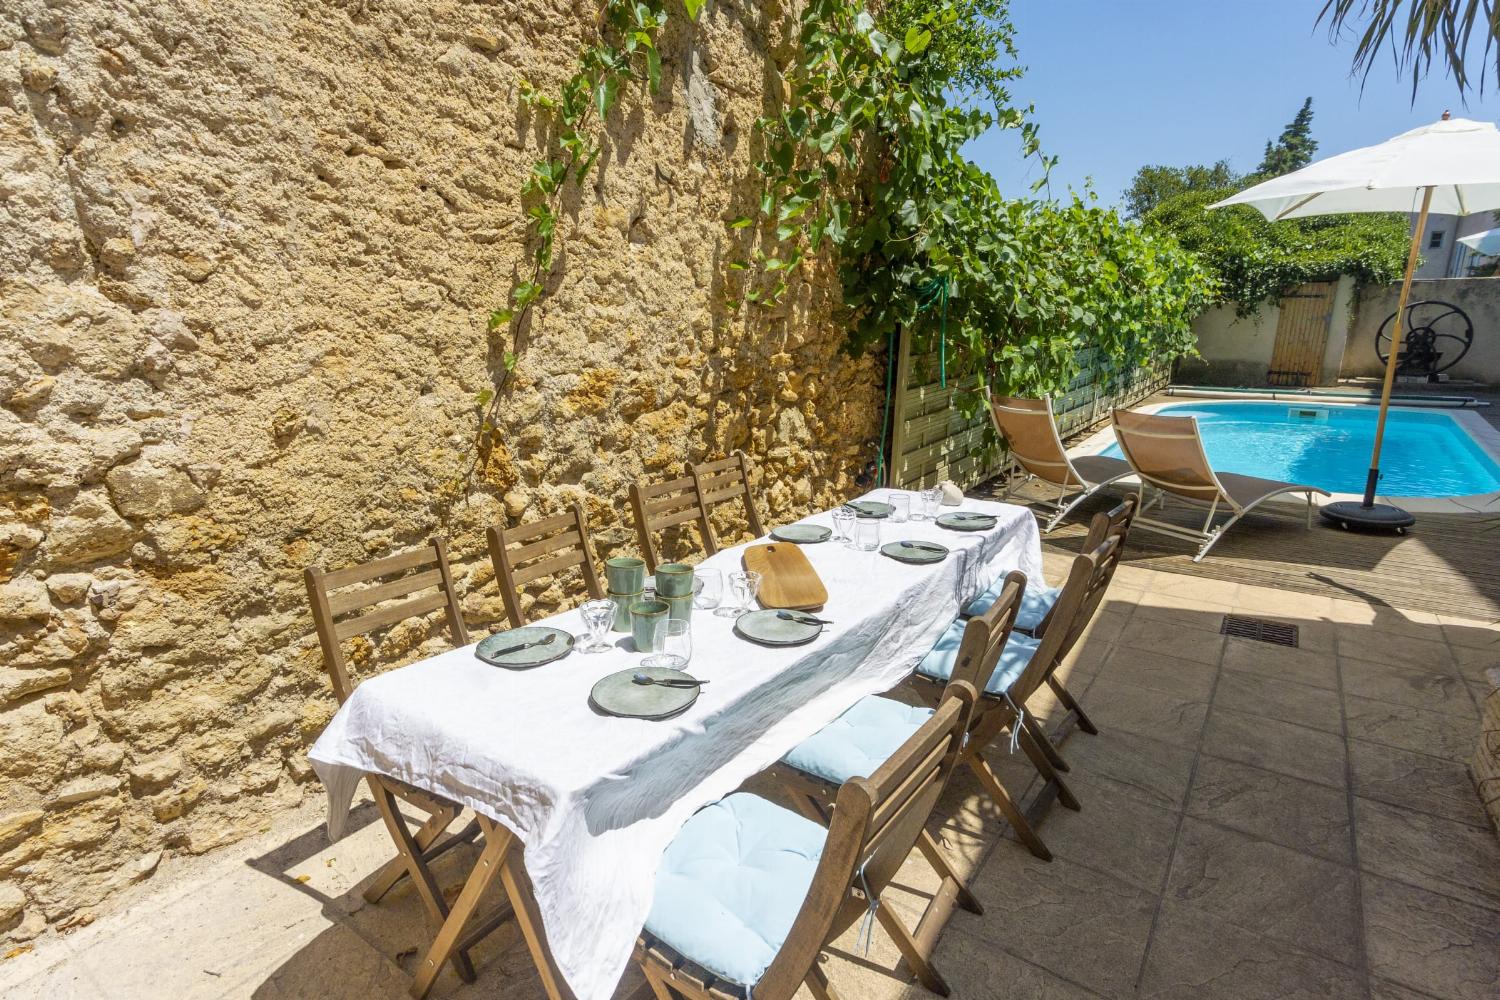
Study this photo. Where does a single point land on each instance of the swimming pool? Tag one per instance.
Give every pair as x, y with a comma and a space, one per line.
1426, 453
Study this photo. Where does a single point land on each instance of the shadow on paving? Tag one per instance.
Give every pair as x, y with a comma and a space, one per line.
1257, 821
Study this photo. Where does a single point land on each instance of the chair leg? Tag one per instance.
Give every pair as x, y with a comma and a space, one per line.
1008, 807
1066, 698
1049, 773
1054, 756
940, 863
658, 984
427, 887
920, 963
395, 869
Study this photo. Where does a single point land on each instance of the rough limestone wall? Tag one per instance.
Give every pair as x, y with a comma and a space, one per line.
246, 252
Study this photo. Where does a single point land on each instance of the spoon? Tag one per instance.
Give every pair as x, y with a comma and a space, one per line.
670, 682
526, 645
802, 619
925, 547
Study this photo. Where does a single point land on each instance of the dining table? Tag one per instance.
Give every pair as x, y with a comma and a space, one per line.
593, 800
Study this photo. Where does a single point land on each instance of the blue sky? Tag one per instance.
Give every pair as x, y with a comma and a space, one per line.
1122, 83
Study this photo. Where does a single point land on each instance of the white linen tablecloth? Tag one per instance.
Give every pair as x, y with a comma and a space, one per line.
596, 799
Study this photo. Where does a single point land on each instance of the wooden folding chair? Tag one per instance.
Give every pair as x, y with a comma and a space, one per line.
725, 481
541, 548
667, 505
876, 822
355, 601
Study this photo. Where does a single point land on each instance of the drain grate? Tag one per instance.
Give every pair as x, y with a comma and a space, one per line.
1260, 630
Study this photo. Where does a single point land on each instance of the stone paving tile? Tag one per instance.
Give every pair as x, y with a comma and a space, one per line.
976, 968
1263, 887
1291, 604
1188, 679
1384, 989
1195, 956
1115, 707
1153, 771
1078, 923
1473, 663
1432, 943
1466, 632
1294, 813
1301, 666
1362, 642
1437, 733
1197, 639
1452, 858
1276, 746
1415, 780
1114, 831
1197, 589
1414, 687
1256, 694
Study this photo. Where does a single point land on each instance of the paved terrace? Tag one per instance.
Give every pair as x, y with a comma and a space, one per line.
1257, 822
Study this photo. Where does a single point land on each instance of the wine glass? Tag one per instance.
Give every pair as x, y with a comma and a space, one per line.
843, 525
744, 586
674, 644
708, 588
597, 617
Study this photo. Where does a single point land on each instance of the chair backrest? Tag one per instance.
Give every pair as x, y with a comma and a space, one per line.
667, 505
344, 601
725, 481
1088, 578
1107, 524
1030, 433
1167, 452
541, 548
876, 822
986, 634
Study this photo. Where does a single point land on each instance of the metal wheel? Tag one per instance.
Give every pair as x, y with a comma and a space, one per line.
1435, 335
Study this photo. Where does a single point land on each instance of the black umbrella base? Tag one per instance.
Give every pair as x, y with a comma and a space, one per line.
1377, 517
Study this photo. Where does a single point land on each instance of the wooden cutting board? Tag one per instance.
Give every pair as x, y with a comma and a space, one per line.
787, 578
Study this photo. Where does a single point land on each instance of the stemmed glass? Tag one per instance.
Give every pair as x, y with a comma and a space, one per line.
674, 644
744, 586
843, 526
597, 617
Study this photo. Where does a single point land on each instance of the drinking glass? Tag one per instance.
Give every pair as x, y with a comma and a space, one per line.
597, 617
744, 586
674, 644
919, 505
843, 526
901, 507
708, 588
932, 501
867, 534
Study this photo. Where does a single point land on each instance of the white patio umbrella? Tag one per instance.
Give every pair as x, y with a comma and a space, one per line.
1486, 244
1452, 166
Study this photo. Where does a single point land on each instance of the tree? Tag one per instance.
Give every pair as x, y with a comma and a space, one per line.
1417, 30
1153, 185
1294, 150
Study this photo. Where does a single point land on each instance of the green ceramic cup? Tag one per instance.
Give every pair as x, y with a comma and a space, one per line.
622, 609
643, 618
674, 580
626, 574
680, 608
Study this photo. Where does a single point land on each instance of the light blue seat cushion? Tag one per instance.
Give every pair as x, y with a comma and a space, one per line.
1035, 603
859, 741
938, 663
731, 883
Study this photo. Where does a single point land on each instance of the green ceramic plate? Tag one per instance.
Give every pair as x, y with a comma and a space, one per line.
802, 534
489, 649
967, 521
915, 552
770, 629
870, 508
619, 694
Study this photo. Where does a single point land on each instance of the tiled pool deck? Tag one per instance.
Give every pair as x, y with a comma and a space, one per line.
1257, 822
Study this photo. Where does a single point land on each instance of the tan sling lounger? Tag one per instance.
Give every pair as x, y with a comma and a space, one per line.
1030, 431
1167, 454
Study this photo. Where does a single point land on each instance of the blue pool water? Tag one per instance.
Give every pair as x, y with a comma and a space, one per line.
1426, 452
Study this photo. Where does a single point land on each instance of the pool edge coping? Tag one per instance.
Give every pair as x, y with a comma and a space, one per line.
1480, 430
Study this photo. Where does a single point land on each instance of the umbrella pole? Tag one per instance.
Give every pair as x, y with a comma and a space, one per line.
1391, 360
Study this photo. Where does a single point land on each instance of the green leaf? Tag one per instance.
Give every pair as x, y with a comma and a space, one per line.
482, 399
693, 7
510, 361
741, 223
525, 293
605, 93
917, 39
500, 317
653, 69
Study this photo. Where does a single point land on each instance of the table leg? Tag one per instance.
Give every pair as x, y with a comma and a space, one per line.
523, 902
497, 844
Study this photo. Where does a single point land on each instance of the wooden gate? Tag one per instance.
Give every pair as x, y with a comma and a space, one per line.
1302, 335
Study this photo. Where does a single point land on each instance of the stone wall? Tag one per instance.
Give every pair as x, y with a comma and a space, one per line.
246, 252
